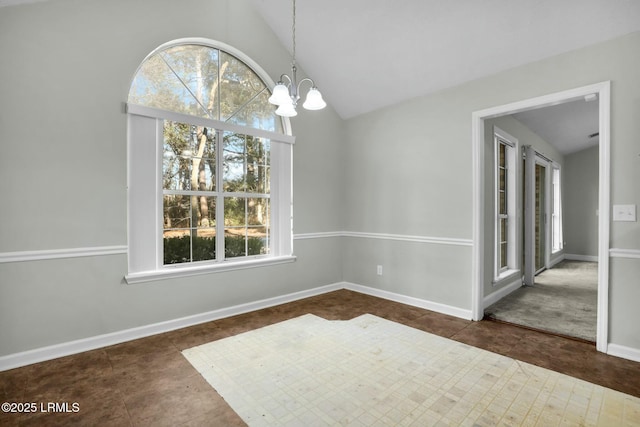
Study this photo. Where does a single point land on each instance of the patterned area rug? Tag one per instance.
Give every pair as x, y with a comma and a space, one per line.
369, 371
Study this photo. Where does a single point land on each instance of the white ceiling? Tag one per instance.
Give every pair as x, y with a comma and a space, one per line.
569, 127
368, 54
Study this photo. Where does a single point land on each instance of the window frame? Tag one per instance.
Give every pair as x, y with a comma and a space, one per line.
145, 253
557, 243
511, 145
220, 195
145, 139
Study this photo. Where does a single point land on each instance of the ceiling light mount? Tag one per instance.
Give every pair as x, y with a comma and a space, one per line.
286, 92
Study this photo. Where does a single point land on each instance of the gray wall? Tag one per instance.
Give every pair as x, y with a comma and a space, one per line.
409, 171
408, 174
65, 72
400, 171
580, 205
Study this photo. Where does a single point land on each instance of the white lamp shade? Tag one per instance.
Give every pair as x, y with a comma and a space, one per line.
314, 100
287, 109
280, 95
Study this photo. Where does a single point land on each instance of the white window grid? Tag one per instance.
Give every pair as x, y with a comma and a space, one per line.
220, 196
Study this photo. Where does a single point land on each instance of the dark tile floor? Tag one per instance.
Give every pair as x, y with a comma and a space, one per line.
148, 382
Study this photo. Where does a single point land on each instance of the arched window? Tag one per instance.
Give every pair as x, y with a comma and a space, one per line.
204, 81
209, 164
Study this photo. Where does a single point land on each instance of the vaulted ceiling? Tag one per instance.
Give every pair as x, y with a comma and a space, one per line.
368, 54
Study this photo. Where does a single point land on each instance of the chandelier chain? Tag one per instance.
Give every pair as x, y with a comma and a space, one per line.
286, 92
293, 31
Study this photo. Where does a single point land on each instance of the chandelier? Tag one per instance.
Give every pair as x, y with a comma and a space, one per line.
286, 95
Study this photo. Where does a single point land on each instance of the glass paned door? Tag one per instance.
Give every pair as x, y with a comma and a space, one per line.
540, 217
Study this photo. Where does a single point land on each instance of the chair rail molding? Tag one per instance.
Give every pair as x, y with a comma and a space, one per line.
46, 254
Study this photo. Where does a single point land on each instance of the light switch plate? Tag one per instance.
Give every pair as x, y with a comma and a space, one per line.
624, 213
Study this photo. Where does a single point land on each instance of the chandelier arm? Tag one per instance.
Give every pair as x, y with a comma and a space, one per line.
283, 77
306, 79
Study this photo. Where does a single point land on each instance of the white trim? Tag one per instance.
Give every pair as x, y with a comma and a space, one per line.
41, 354
603, 90
604, 222
624, 352
19, 256
507, 276
575, 257
478, 208
545, 162
556, 193
624, 253
320, 235
187, 271
409, 238
496, 296
61, 253
512, 172
509, 139
528, 216
72, 347
281, 199
557, 258
416, 302
385, 236
157, 113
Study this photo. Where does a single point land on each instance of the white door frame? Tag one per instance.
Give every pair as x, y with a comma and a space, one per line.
603, 90
539, 159
529, 256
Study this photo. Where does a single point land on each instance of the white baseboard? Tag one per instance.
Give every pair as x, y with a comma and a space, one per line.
416, 302
78, 346
624, 352
496, 296
574, 257
557, 259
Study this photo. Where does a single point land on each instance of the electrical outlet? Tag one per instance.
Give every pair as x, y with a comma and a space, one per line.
379, 270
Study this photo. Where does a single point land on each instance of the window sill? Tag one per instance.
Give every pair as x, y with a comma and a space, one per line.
505, 277
176, 272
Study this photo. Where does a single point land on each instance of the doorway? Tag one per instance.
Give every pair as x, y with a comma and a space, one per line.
557, 295
480, 294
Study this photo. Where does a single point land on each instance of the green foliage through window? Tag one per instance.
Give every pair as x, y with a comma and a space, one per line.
214, 183
177, 250
204, 82
192, 199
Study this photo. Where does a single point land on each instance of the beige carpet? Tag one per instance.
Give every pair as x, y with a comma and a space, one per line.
563, 300
370, 371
